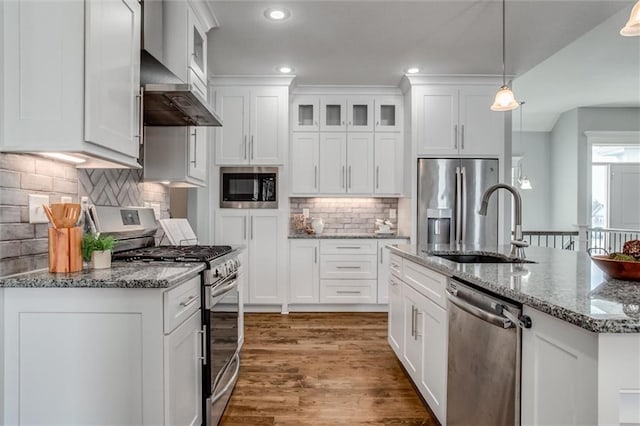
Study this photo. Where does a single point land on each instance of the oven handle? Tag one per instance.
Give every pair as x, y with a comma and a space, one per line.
231, 381
218, 290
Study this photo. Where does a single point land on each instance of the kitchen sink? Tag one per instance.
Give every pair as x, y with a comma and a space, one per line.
479, 258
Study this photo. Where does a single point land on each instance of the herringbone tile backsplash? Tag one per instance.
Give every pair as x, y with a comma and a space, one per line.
23, 246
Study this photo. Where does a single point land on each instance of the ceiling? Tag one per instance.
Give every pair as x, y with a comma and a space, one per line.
373, 42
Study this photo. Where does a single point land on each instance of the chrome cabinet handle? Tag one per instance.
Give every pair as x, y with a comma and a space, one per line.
190, 301
244, 228
342, 181
413, 319
455, 136
244, 147
251, 227
140, 103
416, 334
377, 177
348, 267
349, 176
315, 177
462, 137
205, 344
348, 292
251, 147
348, 247
195, 145
394, 265
381, 255
315, 255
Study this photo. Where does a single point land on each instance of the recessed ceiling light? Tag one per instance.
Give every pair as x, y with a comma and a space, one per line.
413, 70
277, 14
284, 69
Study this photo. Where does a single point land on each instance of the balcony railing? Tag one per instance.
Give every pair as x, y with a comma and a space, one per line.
566, 240
609, 239
584, 238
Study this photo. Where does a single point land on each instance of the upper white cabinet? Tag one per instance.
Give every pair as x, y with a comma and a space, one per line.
255, 125
306, 111
333, 114
387, 163
305, 163
387, 114
177, 155
458, 121
360, 114
346, 163
88, 100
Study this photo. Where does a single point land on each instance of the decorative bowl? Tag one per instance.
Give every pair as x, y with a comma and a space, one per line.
617, 269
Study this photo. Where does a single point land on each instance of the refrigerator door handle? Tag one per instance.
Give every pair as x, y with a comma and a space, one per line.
458, 205
463, 178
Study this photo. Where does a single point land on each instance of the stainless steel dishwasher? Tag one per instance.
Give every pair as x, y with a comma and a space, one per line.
483, 374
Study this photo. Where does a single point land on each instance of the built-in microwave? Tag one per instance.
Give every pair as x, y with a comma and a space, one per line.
249, 187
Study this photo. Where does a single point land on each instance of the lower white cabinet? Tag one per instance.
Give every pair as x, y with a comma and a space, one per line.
418, 330
384, 267
102, 356
259, 230
304, 271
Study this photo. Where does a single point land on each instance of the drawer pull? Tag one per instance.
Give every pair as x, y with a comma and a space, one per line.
189, 301
395, 265
349, 247
348, 291
347, 267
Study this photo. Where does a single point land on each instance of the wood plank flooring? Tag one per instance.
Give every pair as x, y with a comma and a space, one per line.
321, 369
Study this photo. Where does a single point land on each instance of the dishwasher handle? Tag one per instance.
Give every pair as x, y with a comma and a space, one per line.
524, 321
484, 315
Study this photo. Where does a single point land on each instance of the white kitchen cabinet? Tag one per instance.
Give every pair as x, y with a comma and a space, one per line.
260, 230
345, 291
396, 315
305, 163
387, 114
183, 375
559, 372
458, 121
412, 347
255, 125
360, 163
333, 112
387, 163
360, 114
83, 104
384, 267
304, 271
306, 111
177, 155
346, 163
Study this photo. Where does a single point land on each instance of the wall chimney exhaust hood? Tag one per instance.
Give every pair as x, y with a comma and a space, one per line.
168, 101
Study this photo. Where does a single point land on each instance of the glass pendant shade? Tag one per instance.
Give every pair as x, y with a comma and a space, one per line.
525, 183
505, 101
632, 28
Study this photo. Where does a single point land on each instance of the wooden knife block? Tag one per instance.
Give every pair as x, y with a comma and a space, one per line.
65, 249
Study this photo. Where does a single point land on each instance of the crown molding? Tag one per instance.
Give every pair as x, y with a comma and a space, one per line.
251, 80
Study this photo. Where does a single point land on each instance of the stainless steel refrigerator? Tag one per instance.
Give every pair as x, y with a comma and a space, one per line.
449, 195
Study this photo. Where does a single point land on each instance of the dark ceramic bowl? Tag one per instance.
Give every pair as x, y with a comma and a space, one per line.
617, 269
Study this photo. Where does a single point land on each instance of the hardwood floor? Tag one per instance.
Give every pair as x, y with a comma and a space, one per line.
321, 369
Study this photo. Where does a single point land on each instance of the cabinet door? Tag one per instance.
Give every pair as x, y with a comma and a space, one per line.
360, 114
305, 114
183, 374
360, 163
197, 153
387, 114
231, 226
437, 115
304, 281
481, 130
265, 257
396, 316
411, 350
232, 145
197, 46
304, 163
383, 268
388, 163
112, 75
333, 112
268, 138
333, 163
432, 334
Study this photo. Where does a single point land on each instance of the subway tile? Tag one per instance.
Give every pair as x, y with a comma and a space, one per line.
13, 197
17, 162
50, 168
65, 186
9, 179
36, 246
9, 249
16, 231
10, 214
36, 182
42, 230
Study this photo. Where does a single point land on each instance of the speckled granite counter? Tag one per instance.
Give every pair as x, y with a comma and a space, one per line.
347, 236
564, 284
120, 275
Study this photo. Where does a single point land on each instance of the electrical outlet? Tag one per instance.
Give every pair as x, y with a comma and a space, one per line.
392, 213
36, 212
66, 199
305, 213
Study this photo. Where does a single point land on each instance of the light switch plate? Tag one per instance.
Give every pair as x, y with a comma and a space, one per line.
36, 212
305, 213
66, 199
392, 213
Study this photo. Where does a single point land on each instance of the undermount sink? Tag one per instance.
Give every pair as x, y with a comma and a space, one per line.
479, 258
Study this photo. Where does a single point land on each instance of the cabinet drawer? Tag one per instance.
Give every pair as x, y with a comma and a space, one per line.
426, 281
180, 302
347, 291
395, 265
340, 246
335, 266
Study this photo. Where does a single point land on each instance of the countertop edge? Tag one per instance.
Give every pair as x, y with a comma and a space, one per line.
346, 237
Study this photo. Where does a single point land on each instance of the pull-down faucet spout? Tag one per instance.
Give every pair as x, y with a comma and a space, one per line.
517, 244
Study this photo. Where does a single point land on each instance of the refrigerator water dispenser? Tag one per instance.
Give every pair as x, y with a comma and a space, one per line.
439, 226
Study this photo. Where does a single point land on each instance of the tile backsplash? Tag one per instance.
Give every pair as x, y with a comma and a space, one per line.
345, 215
23, 246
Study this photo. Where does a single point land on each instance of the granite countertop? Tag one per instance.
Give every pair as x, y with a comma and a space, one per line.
120, 275
562, 283
346, 236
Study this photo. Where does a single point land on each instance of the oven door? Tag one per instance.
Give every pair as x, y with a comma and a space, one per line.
222, 316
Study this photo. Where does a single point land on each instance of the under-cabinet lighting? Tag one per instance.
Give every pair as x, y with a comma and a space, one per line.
64, 157
277, 14
413, 70
165, 182
285, 69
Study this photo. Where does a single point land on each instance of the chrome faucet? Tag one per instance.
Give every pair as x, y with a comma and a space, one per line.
517, 244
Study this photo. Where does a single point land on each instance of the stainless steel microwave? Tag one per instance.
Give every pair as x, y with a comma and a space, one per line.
249, 187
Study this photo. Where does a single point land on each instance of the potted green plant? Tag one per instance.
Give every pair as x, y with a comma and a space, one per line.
97, 249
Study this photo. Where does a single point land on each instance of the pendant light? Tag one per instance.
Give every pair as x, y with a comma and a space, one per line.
505, 101
632, 28
523, 180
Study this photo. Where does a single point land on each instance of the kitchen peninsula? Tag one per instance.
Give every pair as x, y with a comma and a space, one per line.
580, 357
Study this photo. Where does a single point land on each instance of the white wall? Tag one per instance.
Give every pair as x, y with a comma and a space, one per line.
534, 147
564, 171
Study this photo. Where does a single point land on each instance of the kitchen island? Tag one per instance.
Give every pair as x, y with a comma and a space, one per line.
580, 358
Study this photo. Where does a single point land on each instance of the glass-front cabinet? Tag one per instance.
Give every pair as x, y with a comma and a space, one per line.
360, 114
305, 114
387, 114
333, 113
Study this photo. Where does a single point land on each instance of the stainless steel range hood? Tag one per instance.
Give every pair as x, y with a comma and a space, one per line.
168, 101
